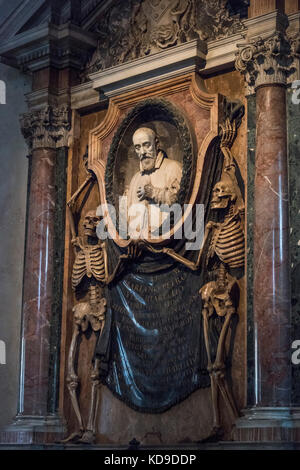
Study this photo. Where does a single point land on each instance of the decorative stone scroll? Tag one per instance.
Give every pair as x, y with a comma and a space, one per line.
143, 27
47, 128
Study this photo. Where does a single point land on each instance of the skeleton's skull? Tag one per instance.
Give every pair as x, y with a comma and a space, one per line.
223, 194
90, 223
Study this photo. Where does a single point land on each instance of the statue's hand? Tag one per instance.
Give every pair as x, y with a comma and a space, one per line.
145, 192
141, 193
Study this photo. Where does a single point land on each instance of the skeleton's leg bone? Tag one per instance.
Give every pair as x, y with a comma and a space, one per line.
226, 394
219, 365
89, 435
215, 402
96, 392
72, 378
206, 339
219, 361
214, 387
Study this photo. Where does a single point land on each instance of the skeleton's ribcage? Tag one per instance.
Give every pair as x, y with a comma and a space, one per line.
230, 245
88, 262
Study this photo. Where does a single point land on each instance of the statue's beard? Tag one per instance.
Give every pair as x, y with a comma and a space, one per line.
148, 162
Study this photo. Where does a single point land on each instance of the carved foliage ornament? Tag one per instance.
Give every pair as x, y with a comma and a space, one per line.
143, 27
47, 127
295, 45
266, 61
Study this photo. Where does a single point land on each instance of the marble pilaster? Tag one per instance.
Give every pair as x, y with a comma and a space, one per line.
271, 288
266, 65
46, 132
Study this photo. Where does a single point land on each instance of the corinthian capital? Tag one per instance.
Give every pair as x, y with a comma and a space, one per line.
48, 127
266, 61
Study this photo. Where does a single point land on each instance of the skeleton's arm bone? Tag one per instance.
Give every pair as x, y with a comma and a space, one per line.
132, 253
71, 201
181, 259
115, 272
208, 228
172, 253
71, 222
189, 264
89, 179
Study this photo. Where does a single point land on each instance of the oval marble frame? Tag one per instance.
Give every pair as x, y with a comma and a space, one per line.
155, 109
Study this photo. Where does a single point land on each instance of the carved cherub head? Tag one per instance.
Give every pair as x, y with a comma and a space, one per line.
223, 195
90, 223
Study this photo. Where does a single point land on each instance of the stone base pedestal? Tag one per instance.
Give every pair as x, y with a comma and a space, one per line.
268, 424
34, 430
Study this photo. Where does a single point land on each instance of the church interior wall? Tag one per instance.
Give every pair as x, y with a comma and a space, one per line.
13, 195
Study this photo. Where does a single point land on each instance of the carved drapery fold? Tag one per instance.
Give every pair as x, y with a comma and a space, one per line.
47, 128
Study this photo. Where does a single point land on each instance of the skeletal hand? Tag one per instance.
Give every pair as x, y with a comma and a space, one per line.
71, 203
228, 133
74, 241
133, 251
210, 225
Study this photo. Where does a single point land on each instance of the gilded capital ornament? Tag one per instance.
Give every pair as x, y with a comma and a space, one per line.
266, 61
47, 128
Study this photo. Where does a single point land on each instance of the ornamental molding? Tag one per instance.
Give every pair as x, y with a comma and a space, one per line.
48, 127
49, 45
145, 27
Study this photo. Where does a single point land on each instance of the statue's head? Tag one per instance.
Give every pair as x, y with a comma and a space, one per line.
90, 222
223, 195
145, 143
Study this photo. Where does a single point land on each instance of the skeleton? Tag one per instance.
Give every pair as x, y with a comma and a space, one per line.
226, 251
90, 264
221, 296
228, 240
